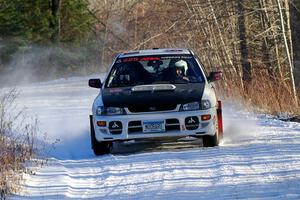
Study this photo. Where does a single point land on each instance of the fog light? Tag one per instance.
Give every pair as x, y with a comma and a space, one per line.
205, 117
101, 123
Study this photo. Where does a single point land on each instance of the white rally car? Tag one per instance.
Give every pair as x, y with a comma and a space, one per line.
155, 94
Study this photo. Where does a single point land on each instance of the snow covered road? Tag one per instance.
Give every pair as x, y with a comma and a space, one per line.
259, 159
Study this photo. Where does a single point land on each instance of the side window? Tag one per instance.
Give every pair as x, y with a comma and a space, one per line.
111, 77
119, 76
195, 68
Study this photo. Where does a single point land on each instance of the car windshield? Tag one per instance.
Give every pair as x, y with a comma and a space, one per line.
143, 70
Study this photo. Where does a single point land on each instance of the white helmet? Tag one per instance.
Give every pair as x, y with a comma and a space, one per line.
182, 65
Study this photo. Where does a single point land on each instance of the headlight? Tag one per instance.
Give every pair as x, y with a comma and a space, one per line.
190, 106
203, 105
109, 111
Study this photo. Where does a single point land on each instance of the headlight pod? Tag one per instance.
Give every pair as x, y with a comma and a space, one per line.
101, 110
190, 106
203, 105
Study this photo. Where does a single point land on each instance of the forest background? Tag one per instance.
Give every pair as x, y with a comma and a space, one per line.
254, 43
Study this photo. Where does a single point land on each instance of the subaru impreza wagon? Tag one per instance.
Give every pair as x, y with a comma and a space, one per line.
155, 94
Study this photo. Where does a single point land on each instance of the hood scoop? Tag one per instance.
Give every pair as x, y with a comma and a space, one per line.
153, 88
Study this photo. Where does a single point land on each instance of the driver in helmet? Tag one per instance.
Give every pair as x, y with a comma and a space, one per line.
181, 68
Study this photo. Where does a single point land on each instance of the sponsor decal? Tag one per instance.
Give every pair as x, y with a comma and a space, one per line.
131, 59
134, 59
176, 57
115, 90
151, 58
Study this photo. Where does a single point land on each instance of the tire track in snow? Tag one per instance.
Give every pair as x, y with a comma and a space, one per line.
260, 157
197, 172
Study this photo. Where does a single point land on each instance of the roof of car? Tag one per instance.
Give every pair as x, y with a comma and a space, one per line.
154, 51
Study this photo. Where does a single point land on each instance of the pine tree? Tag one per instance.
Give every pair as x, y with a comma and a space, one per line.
40, 20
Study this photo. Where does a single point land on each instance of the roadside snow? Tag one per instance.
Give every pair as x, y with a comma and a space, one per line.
259, 158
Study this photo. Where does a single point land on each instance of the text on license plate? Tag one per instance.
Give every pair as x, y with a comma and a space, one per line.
153, 126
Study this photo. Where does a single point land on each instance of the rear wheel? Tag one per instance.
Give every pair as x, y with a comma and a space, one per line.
99, 148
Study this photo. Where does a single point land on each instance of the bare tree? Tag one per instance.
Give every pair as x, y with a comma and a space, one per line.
295, 22
288, 53
248, 40
246, 67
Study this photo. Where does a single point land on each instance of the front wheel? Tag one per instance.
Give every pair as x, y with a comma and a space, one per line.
99, 148
210, 141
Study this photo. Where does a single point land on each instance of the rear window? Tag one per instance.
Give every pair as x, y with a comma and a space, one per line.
144, 70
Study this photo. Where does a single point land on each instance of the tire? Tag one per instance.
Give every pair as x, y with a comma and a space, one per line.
102, 148
210, 141
99, 148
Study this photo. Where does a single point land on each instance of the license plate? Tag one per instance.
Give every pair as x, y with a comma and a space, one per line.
154, 126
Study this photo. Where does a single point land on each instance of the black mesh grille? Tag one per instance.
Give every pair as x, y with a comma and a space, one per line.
172, 124
135, 126
136, 109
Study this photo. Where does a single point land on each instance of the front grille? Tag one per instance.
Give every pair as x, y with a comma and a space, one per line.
135, 126
137, 109
170, 125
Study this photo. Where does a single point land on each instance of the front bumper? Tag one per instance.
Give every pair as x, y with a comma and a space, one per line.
175, 123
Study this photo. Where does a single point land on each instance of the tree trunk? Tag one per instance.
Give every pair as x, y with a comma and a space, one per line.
221, 36
266, 42
55, 25
295, 23
287, 49
246, 67
287, 17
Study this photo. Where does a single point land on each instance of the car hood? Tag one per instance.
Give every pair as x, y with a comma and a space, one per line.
158, 95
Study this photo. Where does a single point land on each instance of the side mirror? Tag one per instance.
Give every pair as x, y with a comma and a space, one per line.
95, 83
215, 76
